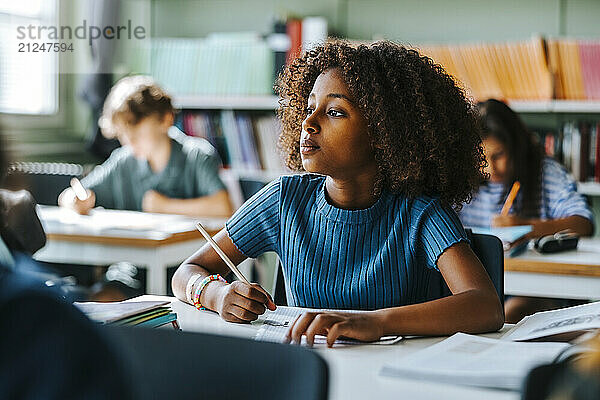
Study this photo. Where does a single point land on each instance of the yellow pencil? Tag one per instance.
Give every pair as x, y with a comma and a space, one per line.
510, 198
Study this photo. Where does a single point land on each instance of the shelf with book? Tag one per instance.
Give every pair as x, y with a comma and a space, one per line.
245, 138
576, 145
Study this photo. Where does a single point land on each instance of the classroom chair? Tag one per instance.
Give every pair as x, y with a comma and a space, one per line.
45, 181
168, 364
487, 248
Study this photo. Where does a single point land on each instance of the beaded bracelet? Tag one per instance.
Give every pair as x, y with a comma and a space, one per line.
188, 288
201, 286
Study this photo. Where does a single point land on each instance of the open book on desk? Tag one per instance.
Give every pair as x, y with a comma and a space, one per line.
561, 324
274, 326
119, 222
475, 361
508, 235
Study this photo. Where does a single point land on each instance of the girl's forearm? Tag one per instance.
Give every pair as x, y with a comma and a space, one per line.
576, 223
210, 295
472, 311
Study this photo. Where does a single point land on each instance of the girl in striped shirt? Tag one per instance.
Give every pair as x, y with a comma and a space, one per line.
389, 144
548, 199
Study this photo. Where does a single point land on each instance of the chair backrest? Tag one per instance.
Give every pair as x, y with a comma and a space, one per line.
45, 181
487, 248
169, 364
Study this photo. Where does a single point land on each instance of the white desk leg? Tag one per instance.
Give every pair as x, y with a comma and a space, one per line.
156, 274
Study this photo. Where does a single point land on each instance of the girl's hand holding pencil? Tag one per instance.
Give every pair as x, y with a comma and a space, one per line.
240, 301
504, 218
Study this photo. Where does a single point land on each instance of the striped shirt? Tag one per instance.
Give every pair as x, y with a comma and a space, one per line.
382, 256
558, 198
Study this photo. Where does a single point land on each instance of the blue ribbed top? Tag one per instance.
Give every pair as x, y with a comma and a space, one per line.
381, 256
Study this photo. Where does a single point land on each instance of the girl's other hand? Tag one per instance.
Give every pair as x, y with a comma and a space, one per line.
242, 303
360, 326
499, 220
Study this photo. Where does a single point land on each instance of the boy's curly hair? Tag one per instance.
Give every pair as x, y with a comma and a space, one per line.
423, 130
132, 99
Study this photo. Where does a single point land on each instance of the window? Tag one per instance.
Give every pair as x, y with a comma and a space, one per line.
28, 81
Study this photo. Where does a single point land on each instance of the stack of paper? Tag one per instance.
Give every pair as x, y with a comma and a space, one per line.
499, 363
475, 361
151, 314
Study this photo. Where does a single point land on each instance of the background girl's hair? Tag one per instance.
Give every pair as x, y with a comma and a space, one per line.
525, 155
423, 131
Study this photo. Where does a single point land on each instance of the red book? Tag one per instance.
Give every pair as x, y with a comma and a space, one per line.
597, 167
584, 151
589, 55
549, 144
187, 124
294, 32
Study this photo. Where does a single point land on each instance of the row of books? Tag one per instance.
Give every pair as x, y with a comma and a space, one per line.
220, 64
149, 314
244, 140
577, 146
575, 64
536, 69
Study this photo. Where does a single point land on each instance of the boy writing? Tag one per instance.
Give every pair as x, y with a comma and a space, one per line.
158, 169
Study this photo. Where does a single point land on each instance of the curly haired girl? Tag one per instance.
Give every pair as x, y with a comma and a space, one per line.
390, 145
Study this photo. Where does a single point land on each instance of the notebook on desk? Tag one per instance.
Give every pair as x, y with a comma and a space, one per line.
509, 235
100, 220
275, 324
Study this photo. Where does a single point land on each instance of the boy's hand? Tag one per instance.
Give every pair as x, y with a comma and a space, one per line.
240, 302
360, 326
154, 202
68, 199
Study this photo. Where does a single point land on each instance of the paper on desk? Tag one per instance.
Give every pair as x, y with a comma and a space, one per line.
475, 361
507, 234
114, 311
549, 323
100, 219
275, 325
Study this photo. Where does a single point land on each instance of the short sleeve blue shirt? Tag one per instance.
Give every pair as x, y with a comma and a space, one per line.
382, 256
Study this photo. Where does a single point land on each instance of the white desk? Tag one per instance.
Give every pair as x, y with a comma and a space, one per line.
155, 241
572, 275
354, 371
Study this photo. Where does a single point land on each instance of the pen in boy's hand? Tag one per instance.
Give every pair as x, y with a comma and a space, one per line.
226, 259
79, 190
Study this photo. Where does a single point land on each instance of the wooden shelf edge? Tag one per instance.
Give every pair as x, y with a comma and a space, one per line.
556, 106
589, 188
224, 102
